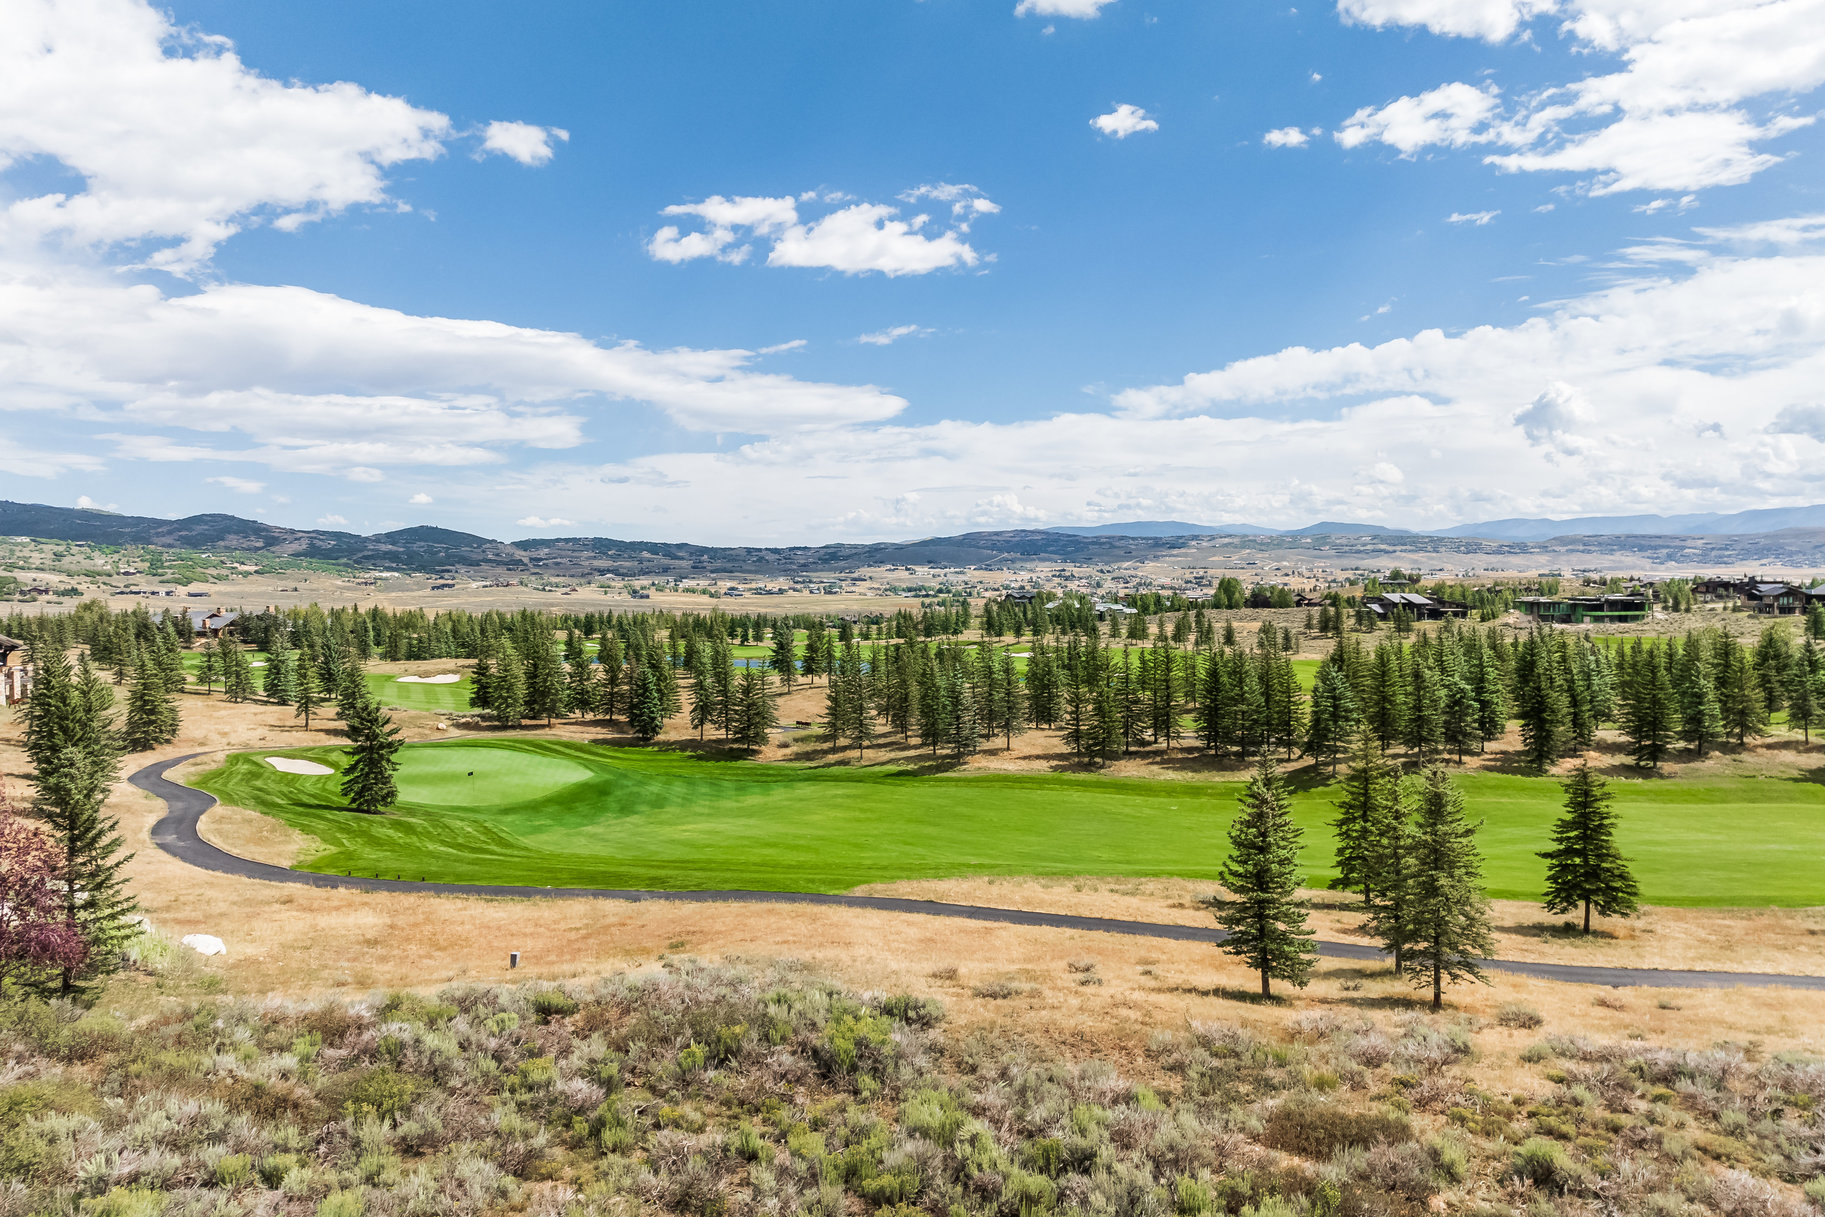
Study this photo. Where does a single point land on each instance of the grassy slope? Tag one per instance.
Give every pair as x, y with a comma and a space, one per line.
590, 816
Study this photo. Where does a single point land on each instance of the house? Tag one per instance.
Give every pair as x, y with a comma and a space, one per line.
15, 672
1576, 610
1418, 607
1304, 601
1019, 597
1776, 599
1716, 589
212, 624
203, 595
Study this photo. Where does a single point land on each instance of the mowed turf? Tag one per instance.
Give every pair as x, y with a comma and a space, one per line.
566, 814
414, 695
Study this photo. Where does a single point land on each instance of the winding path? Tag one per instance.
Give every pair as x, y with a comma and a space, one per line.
176, 834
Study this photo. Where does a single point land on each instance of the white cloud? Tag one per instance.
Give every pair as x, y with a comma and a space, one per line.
856, 239
1807, 420
1554, 417
1697, 95
892, 334
331, 521
1285, 137
421, 499
1474, 218
238, 485
541, 522
1123, 121
1455, 115
1083, 10
524, 142
85, 503
1491, 20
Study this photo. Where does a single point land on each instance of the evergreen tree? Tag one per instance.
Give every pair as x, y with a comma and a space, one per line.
544, 679
1010, 706
754, 717
507, 691
1541, 701
69, 740
703, 693
1334, 716
237, 673
210, 670
1805, 687
367, 775
579, 677
646, 708
1739, 694
1365, 799
309, 696
782, 661
1584, 866
281, 683
1447, 917
1650, 718
1264, 918
1389, 872
152, 715
1701, 719
611, 674
1425, 711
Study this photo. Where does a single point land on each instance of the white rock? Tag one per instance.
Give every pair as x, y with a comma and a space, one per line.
204, 944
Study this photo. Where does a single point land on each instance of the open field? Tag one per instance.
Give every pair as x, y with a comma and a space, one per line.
562, 813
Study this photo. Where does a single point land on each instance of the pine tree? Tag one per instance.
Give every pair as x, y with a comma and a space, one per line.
210, 670
507, 690
309, 695
611, 674
1805, 696
1584, 866
280, 685
1448, 917
367, 775
1365, 799
579, 677
646, 708
69, 740
1011, 704
544, 680
1334, 715
237, 673
1541, 701
1650, 717
1739, 694
1388, 868
1264, 918
1701, 718
152, 715
782, 661
754, 717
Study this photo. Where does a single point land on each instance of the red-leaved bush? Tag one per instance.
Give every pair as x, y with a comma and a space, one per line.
34, 936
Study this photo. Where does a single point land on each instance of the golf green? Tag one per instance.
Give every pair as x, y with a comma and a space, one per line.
566, 814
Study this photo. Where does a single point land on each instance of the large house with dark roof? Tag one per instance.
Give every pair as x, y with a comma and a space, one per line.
15, 672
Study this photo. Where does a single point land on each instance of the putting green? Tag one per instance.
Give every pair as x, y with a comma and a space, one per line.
567, 814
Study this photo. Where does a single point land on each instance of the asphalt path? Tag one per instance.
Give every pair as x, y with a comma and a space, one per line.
176, 834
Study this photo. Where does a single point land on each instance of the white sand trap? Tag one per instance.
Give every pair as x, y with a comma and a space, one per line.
258, 663
287, 764
1021, 654
445, 679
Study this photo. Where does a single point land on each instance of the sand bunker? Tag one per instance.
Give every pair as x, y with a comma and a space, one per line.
286, 764
428, 680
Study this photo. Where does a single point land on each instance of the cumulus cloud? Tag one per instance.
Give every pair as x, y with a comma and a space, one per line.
1696, 97
421, 499
331, 521
893, 334
174, 136
1553, 417
1285, 137
1807, 420
1123, 121
524, 142
856, 239
542, 522
1083, 10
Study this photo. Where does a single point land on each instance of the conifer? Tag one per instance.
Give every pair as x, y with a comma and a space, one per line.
1264, 919
1447, 918
367, 775
152, 714
646, 708
1584, 866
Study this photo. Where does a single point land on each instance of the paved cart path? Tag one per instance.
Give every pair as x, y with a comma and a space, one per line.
176, 834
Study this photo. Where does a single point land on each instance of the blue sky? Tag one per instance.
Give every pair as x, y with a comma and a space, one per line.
797, 272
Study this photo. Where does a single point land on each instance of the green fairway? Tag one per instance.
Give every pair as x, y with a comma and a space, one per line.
412, 695
558, 813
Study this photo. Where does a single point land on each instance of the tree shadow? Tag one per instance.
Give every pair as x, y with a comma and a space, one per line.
1233, 993
1564, 931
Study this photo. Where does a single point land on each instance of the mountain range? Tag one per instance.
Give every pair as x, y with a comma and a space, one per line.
1782, 536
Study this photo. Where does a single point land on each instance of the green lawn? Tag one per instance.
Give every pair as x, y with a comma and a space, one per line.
437, 699
557, 813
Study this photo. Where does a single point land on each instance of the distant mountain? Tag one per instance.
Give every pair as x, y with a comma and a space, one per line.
1334, 528
1164, 528
1704, 524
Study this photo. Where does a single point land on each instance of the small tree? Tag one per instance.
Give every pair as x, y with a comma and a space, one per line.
781, 661
754, 709
1651, 710
646, 711
152, 715
36, 941
1805, 697
1584, 866
1448, 918
1264, 918
507, 690
1367, 797
1334, 715
210, 670
367, 777
308, 693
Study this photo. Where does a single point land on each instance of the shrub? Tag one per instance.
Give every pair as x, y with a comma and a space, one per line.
553, 1003
934, 1115
274, 1167
914, 1011
1815, 1192
999, 990
746, 1143
1544, 1163
127, 1202
234, 1171
1519, 1015
416, 1008
349, 1202
1318, 1130
381, 1092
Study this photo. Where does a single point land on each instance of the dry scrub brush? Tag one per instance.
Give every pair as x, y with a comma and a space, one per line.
724, 1092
